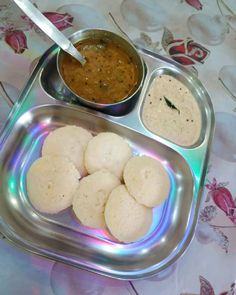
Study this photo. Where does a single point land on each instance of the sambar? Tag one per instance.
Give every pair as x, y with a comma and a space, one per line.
109, 75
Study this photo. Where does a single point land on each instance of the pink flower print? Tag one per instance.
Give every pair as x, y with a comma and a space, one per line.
208, 213
61, 20
231, 291
13, 26
187, 52
195, 3
28, 21
205, 287
16, 40
222, 198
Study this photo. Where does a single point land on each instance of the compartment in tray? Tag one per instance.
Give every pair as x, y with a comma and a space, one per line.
53, 85
167, 110
62, 235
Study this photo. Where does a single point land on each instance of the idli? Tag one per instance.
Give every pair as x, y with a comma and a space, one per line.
127, 220
91, 196
69, 141
107, 150
146, 180
51, 183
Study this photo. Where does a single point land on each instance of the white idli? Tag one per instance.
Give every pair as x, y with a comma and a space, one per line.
69, 141
127, 220
107, 150
91, 196
51, 183
146, 180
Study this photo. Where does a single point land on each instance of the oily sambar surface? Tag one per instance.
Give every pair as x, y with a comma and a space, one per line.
109, 75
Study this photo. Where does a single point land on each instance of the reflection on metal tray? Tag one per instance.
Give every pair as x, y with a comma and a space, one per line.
45, 105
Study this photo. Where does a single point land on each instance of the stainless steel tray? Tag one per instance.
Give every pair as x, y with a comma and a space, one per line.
44, 105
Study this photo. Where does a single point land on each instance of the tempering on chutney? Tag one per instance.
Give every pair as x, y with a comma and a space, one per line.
110, 75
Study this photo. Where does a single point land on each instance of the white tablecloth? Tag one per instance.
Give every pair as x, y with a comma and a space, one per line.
198, 34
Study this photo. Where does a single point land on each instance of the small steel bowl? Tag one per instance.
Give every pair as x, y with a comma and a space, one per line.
119, 108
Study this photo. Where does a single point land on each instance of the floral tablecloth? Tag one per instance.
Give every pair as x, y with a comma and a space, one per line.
198, 34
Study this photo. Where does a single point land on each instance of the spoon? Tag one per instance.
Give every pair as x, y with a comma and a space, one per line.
49, 29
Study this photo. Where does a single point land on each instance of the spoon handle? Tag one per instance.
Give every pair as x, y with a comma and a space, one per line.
49, 29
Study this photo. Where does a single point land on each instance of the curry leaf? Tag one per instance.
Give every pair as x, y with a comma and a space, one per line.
171, 105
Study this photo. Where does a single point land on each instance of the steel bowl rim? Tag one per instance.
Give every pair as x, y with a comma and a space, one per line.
88, 102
